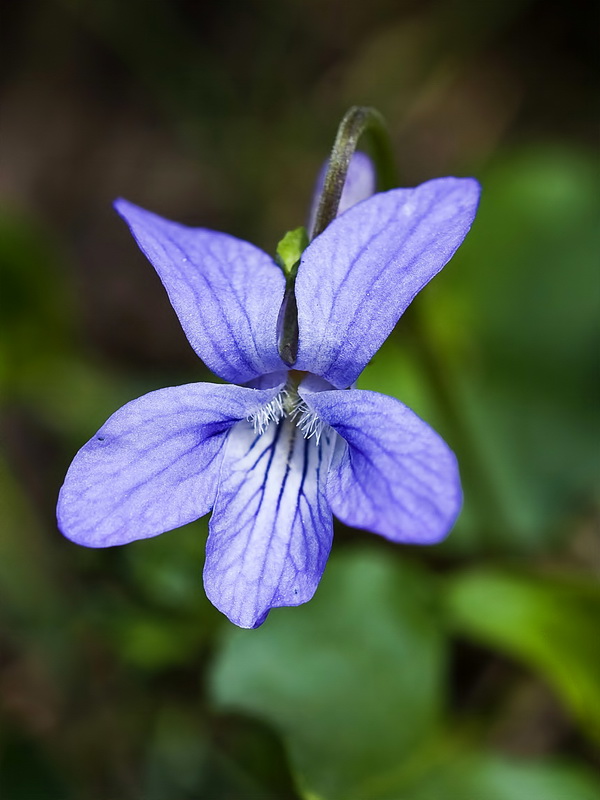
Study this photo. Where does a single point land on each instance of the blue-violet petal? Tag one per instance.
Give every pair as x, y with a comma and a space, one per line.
357, 278
226, 292
154, 465
271, 528
395, 476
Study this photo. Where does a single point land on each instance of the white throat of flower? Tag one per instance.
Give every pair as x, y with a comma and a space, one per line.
288, 405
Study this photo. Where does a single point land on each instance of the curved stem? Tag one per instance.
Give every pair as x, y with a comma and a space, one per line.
357, 121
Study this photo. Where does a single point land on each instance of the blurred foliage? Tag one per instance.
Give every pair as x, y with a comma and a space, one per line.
470, 670
353, 693
549, 622
359, 697
455, 774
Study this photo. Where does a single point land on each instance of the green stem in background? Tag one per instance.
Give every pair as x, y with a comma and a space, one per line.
358, 121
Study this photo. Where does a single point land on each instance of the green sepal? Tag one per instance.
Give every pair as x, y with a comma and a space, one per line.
289, 250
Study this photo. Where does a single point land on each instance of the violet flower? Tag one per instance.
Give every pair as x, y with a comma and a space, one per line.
283, 447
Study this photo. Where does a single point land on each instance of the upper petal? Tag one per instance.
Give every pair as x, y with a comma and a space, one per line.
356, 279
271, 528
153, 465
226, 292
396, 476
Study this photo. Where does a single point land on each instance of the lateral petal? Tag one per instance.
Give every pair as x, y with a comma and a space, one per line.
154, 465
395, 476
226, 292
271, 528
357, 278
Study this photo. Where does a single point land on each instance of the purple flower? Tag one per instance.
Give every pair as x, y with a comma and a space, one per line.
282, 448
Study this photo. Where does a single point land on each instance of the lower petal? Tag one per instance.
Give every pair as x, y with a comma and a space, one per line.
395, 476
271, 528
154, 465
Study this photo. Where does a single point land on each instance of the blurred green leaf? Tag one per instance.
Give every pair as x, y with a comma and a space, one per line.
550, 623
353, 679
453, 770
495, 778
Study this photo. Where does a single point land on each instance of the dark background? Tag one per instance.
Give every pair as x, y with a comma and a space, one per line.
452, 673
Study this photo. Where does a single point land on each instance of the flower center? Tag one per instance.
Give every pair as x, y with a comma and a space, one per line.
288, 405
